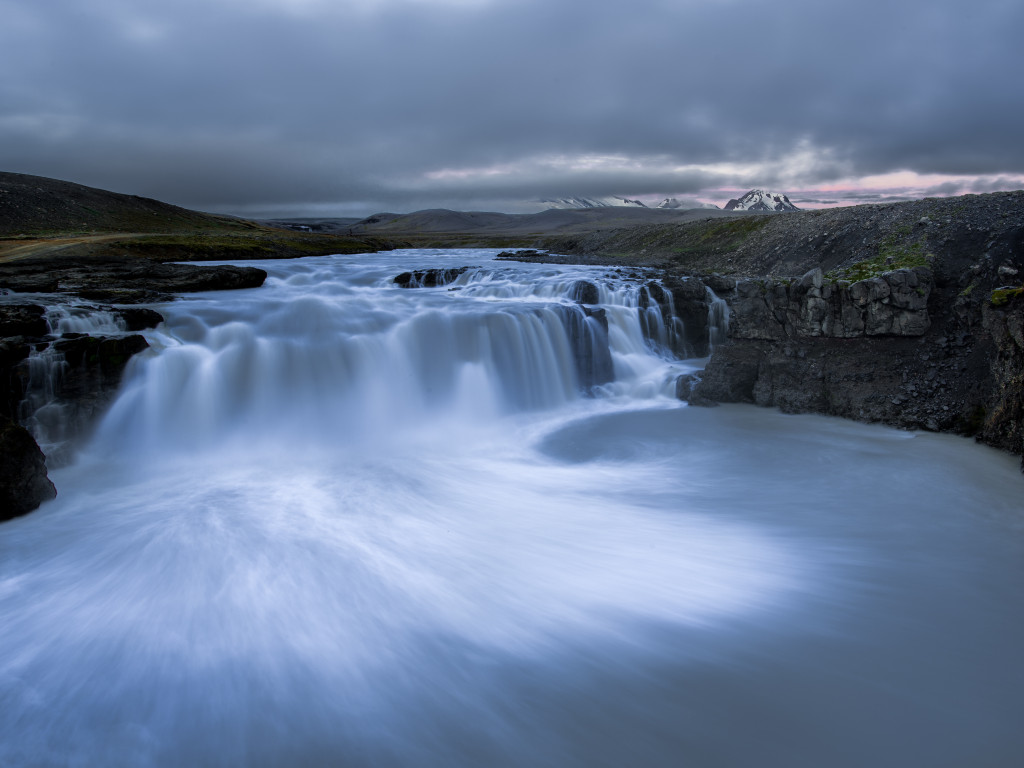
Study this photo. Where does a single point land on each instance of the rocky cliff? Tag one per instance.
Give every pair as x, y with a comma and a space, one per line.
908, 314
890, 348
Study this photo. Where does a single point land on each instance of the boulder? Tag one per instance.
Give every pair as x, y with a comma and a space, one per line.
23, 481
584, 292
428, 278
139, 318
23, 320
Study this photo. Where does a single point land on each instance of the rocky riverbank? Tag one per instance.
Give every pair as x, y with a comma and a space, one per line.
925, 336
890, 349
57, 381
908, 314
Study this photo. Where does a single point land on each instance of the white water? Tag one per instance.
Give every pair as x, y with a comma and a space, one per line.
335, 522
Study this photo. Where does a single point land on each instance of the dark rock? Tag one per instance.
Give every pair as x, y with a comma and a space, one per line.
124, 295
124, 281
1001, 419
600, 316
23, 320
893, 304
77, 384
23, 481
105, 351
588, 335
675, 316
428, 278
13, 377
139, 318
584, 292
720, 284
528, 255
691, 305
730, 375
685, 391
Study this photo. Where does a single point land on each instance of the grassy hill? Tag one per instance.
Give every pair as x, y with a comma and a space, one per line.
44, 218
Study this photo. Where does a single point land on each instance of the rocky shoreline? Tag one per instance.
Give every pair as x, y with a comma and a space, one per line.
889, 349
906, 314
44, 369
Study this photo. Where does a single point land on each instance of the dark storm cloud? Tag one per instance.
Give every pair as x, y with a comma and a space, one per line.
223, 104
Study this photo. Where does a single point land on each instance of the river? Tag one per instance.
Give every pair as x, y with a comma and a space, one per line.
332, 521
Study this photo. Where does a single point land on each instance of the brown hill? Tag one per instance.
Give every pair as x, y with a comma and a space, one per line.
37, 206
47, 218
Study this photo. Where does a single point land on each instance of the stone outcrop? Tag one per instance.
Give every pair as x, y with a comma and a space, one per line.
23, 481
428, 278
1002, 417
892, 304
23, 320
891, 348
123, 281
58, 386
585, 292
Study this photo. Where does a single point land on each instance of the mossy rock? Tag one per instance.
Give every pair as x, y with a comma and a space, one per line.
1003, 296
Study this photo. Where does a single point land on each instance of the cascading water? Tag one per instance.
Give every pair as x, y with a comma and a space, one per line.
55, 423
718, 320
338, 521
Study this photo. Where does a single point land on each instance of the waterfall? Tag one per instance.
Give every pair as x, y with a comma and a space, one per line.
60, 401
718, 320
337, 357
465, 522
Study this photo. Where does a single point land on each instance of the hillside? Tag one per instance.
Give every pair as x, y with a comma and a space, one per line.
48, 218
460, 228
956, 230
37, 206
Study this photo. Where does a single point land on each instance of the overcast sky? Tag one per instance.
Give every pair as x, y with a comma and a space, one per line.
348, 107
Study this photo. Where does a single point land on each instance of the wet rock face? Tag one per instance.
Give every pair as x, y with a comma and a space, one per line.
71, 380
139, 318
86, 382
893, 304
23, 320
680, 324
867, 379
428, 278
23, 481
584, 292
588, 334
1002, 421
125, 281
875, 351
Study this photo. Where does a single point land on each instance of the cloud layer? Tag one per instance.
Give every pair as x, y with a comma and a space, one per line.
306, 105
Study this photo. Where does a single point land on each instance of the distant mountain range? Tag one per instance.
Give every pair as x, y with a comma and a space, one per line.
761, 200
685, 204
754, 200
566, 203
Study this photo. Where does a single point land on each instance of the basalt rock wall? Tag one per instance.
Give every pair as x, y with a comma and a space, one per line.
903, 348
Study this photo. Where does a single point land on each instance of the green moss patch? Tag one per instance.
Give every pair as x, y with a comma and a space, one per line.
892, 254
1003, 296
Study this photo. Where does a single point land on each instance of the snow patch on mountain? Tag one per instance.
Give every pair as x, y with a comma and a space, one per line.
592, 202
684, 204
761, 200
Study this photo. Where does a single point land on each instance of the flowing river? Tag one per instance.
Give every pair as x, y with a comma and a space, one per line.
337, 522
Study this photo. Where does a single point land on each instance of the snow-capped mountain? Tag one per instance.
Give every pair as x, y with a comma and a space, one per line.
685, 204
593, 202
760, 200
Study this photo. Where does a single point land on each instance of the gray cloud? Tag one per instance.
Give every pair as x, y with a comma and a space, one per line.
229, 106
